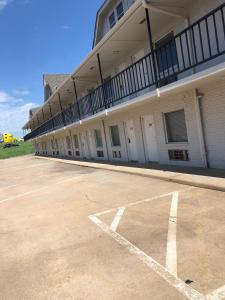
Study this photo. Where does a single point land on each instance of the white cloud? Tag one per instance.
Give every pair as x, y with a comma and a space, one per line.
4, 97
20, 92
4, 3
10, 99
12, 119
14, 113
65, 27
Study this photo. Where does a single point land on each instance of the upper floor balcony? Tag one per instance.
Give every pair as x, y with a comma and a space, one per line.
146, 50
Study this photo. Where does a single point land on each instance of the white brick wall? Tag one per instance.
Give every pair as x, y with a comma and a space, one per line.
213, 113
213, 110
157, 108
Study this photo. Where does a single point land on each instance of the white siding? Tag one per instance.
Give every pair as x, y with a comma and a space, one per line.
213, 111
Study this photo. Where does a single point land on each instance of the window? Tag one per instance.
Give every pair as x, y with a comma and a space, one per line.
98, 138
176, 127
47, 92
100, 154
76, 141
166, 52
44, 147
120, 11
115, 136
116, 154
112, 20
68, 142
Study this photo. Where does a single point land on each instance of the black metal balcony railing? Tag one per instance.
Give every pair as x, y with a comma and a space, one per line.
195, 46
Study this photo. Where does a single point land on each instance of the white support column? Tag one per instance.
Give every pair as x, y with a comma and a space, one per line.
72, 144
105, 138
198, 115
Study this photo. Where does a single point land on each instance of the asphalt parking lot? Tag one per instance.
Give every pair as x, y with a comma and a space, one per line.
69, 232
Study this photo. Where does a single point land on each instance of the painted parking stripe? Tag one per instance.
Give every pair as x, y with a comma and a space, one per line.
143, 201
8, 187
24, 183
218, 294
170, 272
116, 221
171, 251
24, 167
40, 189
175, 282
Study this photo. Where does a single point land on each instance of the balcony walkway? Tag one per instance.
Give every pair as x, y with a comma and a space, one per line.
198, 47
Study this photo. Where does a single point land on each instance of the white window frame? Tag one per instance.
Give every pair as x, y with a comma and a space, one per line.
96, 144
113, 146
75, 146
115, 20
114, 11
165, 128
68, 145
119, 16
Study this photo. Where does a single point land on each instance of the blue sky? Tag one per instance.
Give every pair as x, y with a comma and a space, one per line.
37, 37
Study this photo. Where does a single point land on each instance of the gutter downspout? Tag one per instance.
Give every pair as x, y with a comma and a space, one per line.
106, 143
200, 128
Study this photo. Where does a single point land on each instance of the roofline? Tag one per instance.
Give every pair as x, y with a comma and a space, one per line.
96, 19
54, 74
104, 40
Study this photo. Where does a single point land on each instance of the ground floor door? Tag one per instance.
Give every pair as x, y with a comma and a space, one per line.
84, 143
91, 145
151, 148
213, 118
61, 146
131, 140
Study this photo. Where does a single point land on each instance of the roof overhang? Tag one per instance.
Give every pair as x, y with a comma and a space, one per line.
121, 38
191, 82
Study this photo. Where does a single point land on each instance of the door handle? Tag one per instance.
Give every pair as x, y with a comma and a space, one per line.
129, 141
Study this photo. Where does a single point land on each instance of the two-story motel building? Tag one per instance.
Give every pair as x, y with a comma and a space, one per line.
151, 90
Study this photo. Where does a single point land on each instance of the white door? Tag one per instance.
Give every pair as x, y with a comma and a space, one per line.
83, 138
62, 150
213, 111
91, 144
150, 138
131, 141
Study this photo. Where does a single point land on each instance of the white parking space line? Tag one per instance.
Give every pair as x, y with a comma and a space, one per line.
34, 180
143, 201
171, 252
175, 282
40, 189
117, 219
25, 167
8, 187
168, 273
218, 294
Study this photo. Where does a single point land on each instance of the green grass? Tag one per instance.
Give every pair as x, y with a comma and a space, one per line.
24, 148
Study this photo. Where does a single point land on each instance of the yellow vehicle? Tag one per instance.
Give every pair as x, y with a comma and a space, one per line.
8, 138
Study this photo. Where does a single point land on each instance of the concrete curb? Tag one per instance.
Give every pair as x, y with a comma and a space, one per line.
206, 182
